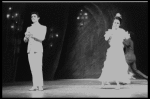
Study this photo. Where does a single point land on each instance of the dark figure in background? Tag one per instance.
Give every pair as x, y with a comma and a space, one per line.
131, 59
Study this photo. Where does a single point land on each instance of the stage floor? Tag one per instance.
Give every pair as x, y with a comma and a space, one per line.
76, 88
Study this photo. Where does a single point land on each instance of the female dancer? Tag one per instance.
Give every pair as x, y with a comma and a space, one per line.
115, 66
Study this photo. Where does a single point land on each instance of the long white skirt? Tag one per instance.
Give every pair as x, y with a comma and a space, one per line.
115, 66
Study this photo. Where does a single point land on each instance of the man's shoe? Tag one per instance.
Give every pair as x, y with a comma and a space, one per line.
33, 89
40, 88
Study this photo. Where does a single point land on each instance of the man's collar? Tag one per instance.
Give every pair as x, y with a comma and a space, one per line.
37, 23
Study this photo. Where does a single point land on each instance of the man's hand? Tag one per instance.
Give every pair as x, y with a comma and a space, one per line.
26, 39
28, 35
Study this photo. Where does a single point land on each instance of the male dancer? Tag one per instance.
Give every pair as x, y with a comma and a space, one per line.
34, 35
131, 59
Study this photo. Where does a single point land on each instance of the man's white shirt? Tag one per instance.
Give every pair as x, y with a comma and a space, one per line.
38, 31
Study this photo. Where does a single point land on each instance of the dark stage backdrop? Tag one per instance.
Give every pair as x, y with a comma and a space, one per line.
11, 40
80, 49
55, 17
84, 48
15, 64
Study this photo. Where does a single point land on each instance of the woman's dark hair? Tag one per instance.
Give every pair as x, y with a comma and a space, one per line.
35, 13
118, 18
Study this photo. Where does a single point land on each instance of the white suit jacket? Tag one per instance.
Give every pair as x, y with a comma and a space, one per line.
38, 31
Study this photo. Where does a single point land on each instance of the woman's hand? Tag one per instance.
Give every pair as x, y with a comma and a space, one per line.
107, 36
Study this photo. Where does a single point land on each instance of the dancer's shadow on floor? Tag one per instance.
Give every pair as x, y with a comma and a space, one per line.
54, 87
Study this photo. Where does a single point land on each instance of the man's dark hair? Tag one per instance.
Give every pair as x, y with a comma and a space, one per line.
35, 13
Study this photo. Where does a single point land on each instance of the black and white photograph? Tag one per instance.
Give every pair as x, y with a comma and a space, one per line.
74, 49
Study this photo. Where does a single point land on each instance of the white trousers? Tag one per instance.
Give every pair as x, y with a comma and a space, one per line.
35, 61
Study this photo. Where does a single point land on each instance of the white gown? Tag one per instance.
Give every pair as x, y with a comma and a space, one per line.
115, 65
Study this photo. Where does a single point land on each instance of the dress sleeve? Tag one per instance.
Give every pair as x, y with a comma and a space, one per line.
107, 35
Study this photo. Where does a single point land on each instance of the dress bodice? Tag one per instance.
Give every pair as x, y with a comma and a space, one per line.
117, 37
